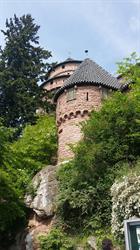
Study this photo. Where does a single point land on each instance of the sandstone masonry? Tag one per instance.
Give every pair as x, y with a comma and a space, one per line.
78, 88
59, 73
70, 114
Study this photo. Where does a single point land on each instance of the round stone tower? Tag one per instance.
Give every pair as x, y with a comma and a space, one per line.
81, 93
59, 73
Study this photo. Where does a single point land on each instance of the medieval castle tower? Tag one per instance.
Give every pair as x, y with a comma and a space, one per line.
78, 87
59, 73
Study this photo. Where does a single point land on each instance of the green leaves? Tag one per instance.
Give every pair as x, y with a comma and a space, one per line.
22, 66
129, 69
56, 240
11, 195
37, 146
11, 207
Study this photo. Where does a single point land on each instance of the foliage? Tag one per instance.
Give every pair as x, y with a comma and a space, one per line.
12, 209
11, 204
22, 67
73, 197
129, 69
101, 234
37, 146
56, 240
19, 161
111, 138
126, 200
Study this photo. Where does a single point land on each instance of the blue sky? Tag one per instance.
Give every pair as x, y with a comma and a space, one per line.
108, 29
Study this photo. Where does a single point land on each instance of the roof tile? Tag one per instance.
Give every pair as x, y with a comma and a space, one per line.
90, 72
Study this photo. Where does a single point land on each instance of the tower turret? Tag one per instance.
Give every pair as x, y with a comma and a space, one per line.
81, 93
59, 73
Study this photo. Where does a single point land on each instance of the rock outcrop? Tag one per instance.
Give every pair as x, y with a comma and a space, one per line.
42, 201
37, 227
91, 242
28, 239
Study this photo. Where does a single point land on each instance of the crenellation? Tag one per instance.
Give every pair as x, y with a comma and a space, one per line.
72, 115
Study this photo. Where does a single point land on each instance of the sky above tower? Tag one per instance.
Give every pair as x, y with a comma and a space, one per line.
108, 29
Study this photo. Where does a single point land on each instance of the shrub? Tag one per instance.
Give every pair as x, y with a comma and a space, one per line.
126, 201
37, 146
55, 240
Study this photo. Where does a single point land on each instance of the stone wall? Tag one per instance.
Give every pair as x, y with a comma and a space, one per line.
64, 69
69, 115
56, 83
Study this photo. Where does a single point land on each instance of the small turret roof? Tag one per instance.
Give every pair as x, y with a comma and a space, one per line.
69, 59
90, 72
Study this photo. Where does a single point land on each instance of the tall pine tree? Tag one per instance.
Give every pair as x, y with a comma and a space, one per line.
22, 66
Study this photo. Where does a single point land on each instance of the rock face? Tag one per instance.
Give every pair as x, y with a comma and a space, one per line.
91, 241
37, 227
79, 248
28, 239
42, 202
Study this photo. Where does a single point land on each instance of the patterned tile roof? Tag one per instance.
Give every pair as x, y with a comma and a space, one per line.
90, 72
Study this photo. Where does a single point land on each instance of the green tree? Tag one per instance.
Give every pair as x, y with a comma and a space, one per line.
12, 209
37, 146
129, 69
22, 67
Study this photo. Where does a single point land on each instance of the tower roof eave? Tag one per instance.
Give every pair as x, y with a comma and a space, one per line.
54, 78
62, 89
90, 73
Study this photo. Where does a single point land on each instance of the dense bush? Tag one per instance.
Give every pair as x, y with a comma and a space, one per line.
11, 203
126, 200
37, 146
55, 240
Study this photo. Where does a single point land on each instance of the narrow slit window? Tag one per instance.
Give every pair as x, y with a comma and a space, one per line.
87, 96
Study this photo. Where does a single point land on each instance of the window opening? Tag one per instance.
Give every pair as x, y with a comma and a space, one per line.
87, 96
104, 93
71, 94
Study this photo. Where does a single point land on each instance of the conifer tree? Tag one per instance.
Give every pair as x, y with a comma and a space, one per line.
22, 67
